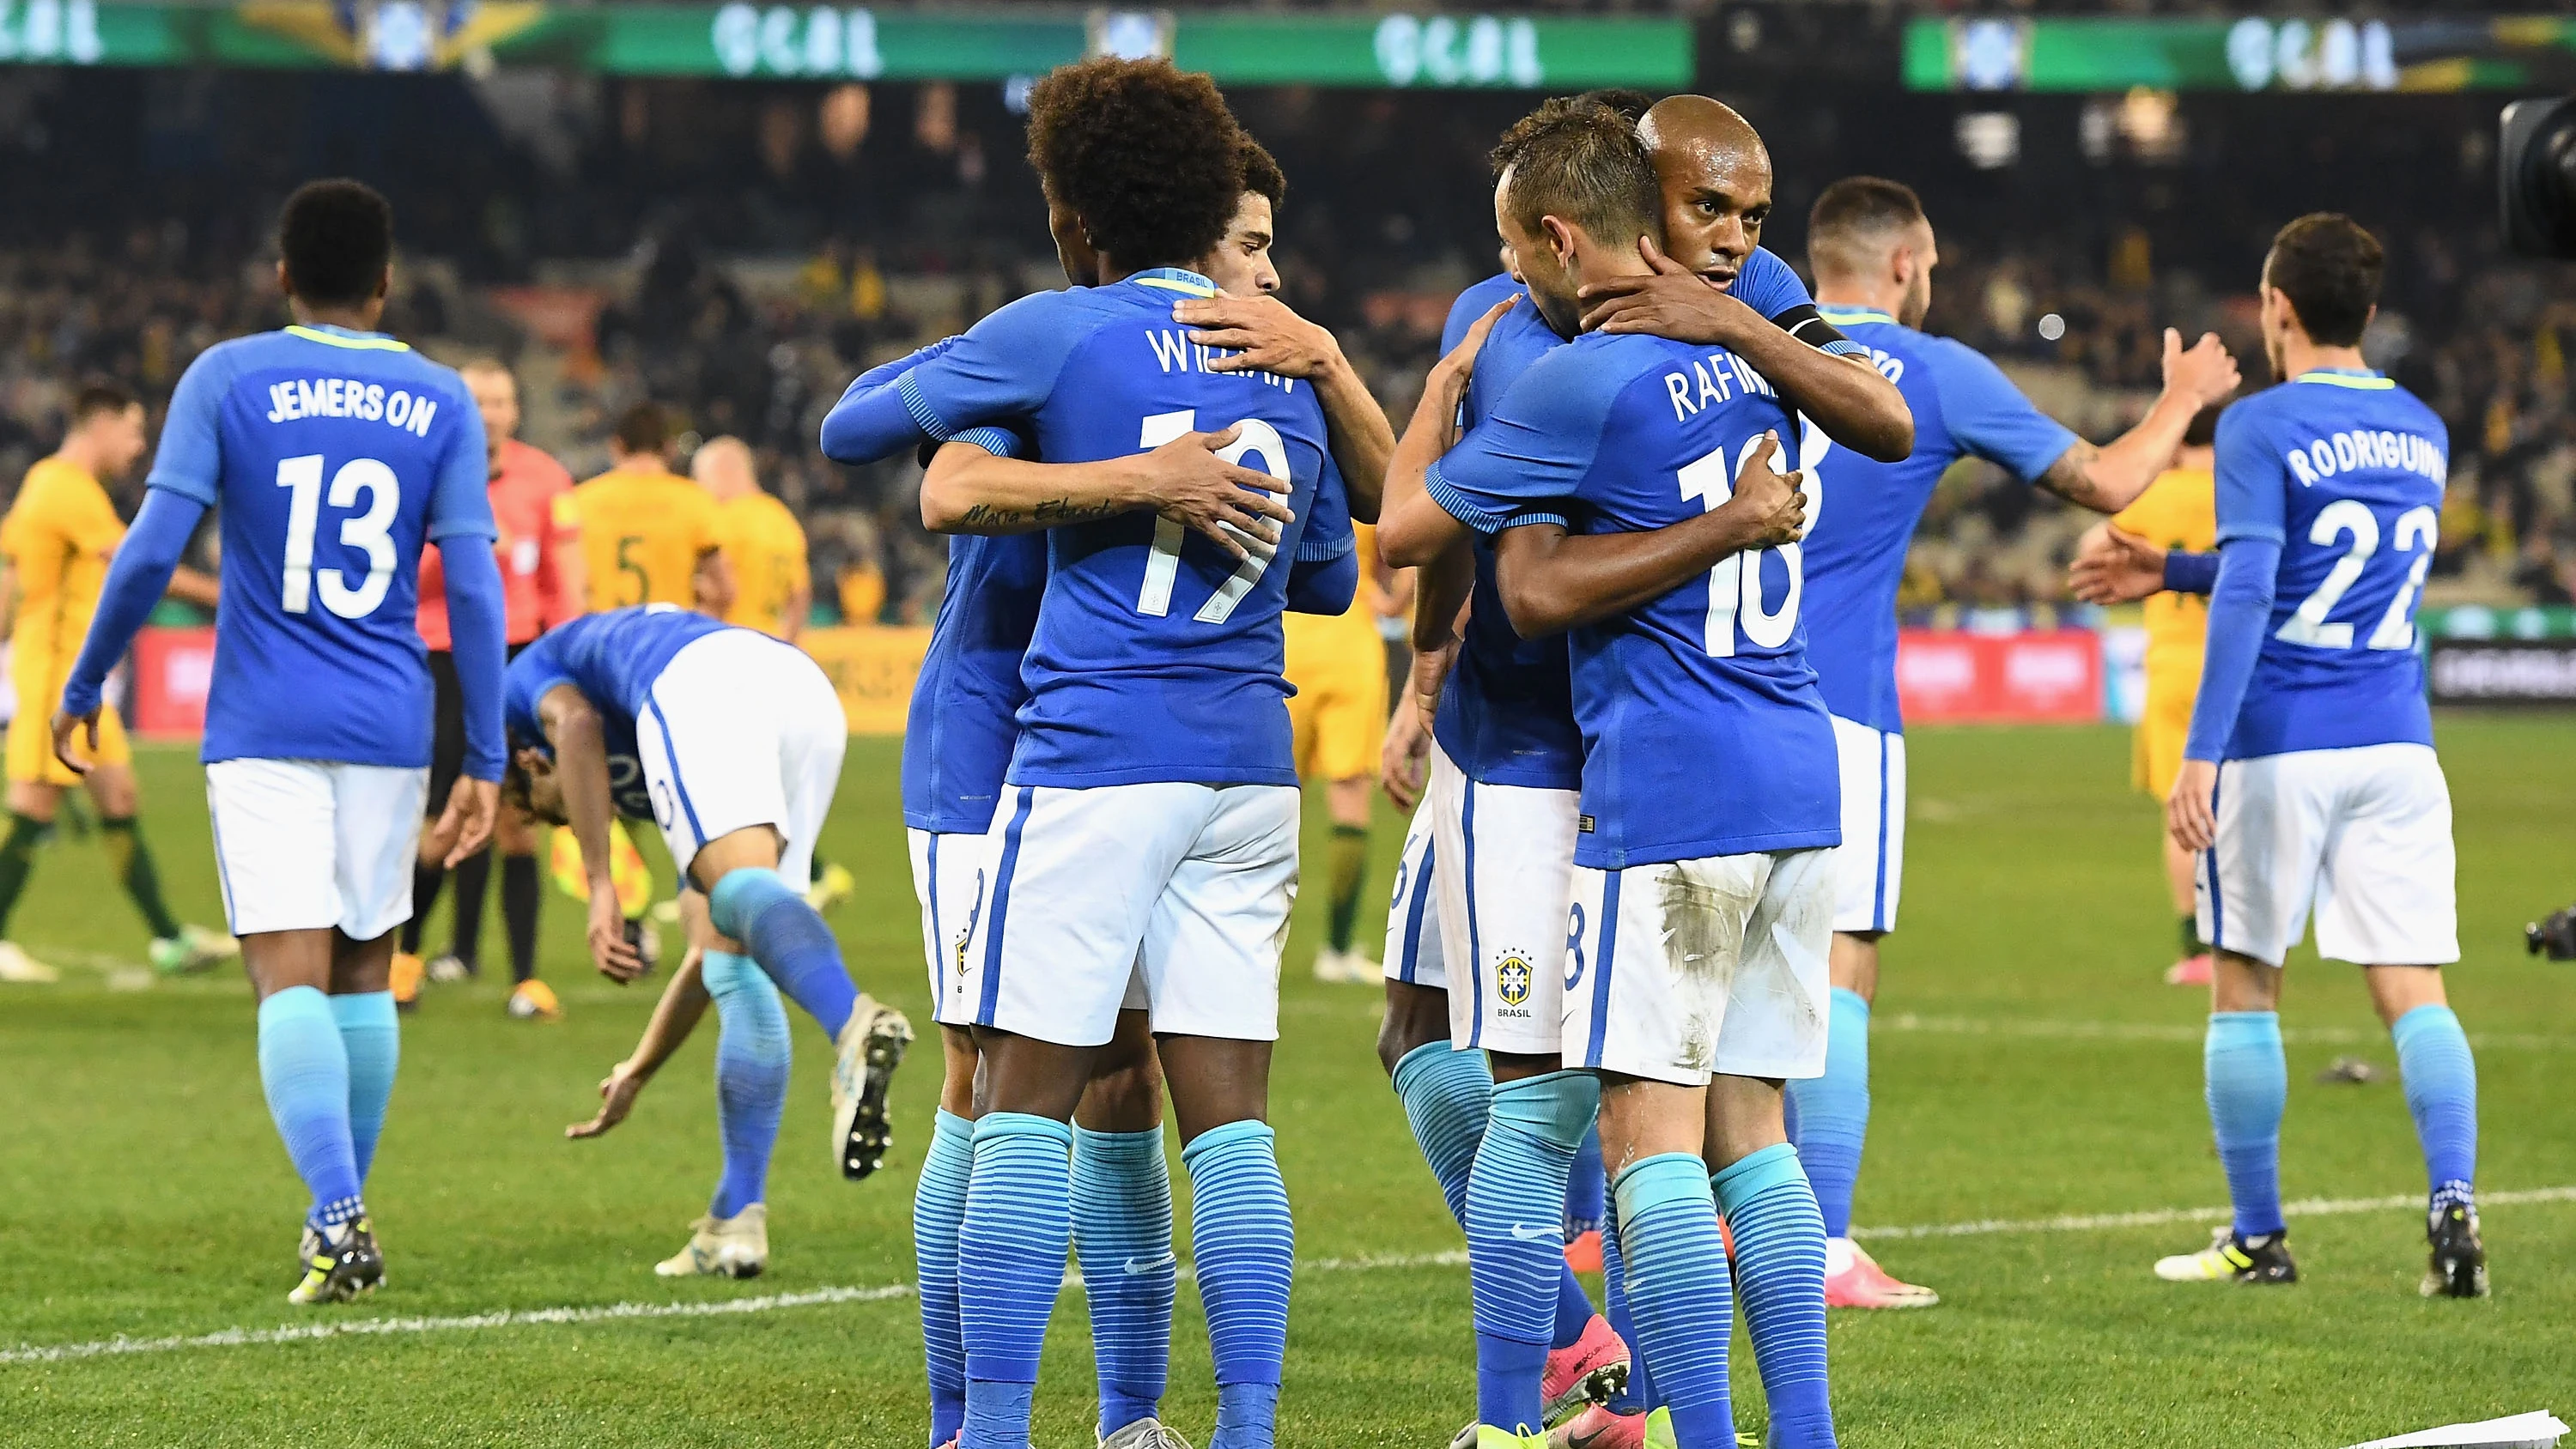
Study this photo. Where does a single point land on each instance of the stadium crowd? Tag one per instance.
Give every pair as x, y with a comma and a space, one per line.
878, 218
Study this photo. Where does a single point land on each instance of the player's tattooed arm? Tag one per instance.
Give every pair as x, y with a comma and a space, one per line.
1412, 528
970, 490
572, 726
1264, 335
676, 1015
1845, 396
2109, 478
1552, 580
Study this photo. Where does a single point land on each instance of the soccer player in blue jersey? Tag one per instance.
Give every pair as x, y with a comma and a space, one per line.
1156, 717
731, 742
1873, 253
2309, 778
334, 453
1701, 890
1508, 766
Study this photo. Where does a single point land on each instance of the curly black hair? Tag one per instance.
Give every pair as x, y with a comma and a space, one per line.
1147, 155
335, 237
1261, 173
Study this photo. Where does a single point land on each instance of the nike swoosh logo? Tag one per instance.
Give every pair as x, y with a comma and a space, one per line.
1135, 1267
1532, 1235
1586, 1441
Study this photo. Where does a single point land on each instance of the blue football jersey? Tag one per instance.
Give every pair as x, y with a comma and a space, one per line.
1506, 713
1864, 519
1156, 655
2345, 471
1703, 733
331, 456
958, 737
613, 659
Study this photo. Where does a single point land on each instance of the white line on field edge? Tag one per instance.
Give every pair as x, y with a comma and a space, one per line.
1369, 1263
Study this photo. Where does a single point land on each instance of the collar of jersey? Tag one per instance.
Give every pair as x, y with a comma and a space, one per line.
2361, 378
1175, 279
1832, 313
331, 336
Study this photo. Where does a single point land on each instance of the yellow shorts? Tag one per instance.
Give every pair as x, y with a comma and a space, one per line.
2161, 733
31, 746
1339, 711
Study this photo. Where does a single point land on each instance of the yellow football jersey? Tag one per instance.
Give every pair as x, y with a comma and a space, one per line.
765, 546
58, 536
1338, 664
642, 535
2178, 510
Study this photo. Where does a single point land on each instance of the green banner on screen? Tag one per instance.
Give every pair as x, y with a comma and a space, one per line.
2247, 53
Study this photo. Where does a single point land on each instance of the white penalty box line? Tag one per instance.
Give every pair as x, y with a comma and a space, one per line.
1370, 1263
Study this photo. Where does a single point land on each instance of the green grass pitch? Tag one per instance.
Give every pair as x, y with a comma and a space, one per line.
2028, 1063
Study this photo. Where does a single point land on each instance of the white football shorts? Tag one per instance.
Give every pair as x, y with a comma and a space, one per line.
1503, 857
948, 875
1190, 885
2363, 834
1869, 866
1681, 970
741, 730
304, 845
1413, 917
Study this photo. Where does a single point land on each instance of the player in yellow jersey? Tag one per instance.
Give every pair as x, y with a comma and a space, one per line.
2124, 559
58, 536
762, 542
1338, 714
648, 536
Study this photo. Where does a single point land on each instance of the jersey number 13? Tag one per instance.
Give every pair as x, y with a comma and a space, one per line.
371, 531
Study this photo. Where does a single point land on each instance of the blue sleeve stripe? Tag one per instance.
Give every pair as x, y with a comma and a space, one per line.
1459, 506
457, 527
1311, 549
1000, 442
2248, 528
919, 406
1845, 347
195, 490
1539, 515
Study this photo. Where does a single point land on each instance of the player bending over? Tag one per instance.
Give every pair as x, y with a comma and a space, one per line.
333, 452
731, 741
958, 750
1691, 875
58, 537
2309, 776
1873, 253
1509, 767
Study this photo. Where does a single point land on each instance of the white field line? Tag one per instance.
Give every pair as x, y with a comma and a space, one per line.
2190, 1033
1367, 1263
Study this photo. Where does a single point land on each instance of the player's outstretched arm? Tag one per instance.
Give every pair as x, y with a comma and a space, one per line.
2109, 478
572, 726
676, 1015
1845, 396
136, 579
971, 488
1412, 529
1552, 580
871, 421
1266, 335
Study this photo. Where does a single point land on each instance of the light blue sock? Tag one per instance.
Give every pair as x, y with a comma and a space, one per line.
1516, 1237
789, 941
1122, 1235
2442, 1092
304, 1070
1679, 1292
1445, 1096
1587, 1189
1010, 1267
2249, 1087
752, 1056
1780, 1271
1245, 1248
938, 1214
371, 1035
1833, 1111
1639, 1395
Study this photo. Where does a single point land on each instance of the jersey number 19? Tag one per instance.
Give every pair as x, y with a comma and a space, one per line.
1163, 565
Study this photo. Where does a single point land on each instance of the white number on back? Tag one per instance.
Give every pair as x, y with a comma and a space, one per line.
371, 531
1163, 561
1735, 584
2417, 529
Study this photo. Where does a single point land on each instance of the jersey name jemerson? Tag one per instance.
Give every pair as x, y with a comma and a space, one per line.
347, 397
2362, 448
1713, 379
1177, 353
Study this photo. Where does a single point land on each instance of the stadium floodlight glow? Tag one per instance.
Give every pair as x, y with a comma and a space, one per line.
2536, 177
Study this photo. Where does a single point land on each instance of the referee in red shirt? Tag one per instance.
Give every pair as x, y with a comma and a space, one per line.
541, 576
